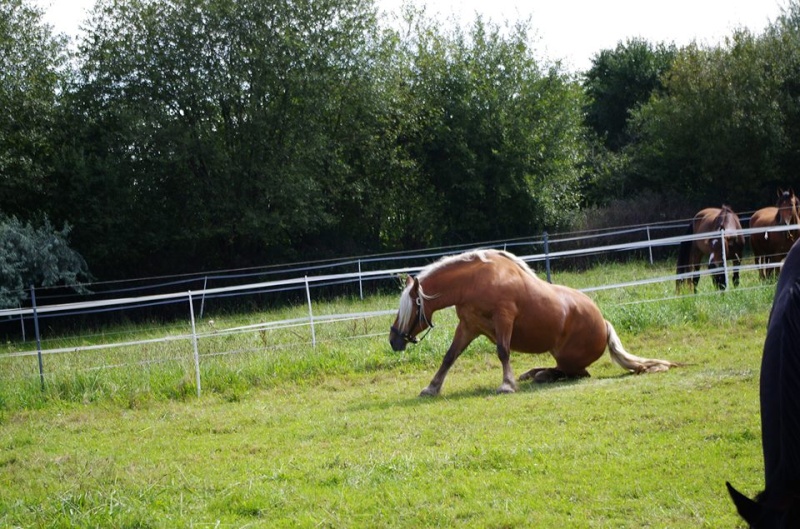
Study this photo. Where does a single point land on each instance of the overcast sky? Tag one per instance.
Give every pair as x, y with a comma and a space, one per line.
570, 30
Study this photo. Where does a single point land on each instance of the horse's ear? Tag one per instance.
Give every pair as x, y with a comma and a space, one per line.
747, 508
409, 280
416, 285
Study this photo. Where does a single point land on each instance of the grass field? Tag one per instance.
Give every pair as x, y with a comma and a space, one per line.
337, 437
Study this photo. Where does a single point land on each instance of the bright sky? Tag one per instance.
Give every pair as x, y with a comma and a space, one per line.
570, 30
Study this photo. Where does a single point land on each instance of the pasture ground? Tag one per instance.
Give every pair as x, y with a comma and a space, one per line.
357, 447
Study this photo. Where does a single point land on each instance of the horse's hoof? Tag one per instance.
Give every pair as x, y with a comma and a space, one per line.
429, 392
506, 388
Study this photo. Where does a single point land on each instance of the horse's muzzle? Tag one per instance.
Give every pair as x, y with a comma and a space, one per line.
397, 342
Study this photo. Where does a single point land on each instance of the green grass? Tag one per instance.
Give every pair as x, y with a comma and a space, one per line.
289, 436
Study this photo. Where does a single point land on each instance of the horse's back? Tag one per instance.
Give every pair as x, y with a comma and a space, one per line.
704, 219
763, 217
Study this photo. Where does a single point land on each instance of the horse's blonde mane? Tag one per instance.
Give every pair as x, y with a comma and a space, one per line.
482, 255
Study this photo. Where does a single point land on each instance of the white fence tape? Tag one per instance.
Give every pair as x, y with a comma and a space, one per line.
358, 276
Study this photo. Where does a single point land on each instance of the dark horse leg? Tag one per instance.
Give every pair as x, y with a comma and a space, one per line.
737, 262
694, 267
550, 374
461, 340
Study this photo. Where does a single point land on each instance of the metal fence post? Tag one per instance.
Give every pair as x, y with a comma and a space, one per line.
724, 256
547, 257
194, 345
360, 282
22, 323
311, 316
203, 299
38, 337
650, 246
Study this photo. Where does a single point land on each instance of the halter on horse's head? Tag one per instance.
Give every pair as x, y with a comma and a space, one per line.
787, 211
722, 222
411, 318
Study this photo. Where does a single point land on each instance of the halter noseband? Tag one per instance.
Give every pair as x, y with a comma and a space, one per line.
421, 318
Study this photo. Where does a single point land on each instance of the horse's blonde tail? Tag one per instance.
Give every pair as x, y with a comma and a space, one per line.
631, 362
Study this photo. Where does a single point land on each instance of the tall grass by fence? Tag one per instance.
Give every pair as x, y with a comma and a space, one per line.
182, 346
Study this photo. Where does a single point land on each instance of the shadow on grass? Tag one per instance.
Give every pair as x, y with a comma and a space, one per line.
527, 387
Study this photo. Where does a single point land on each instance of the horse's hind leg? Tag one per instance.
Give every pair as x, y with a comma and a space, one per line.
461, 340
550, 374
531, 375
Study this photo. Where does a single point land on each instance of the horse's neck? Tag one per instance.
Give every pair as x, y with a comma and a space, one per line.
442, 289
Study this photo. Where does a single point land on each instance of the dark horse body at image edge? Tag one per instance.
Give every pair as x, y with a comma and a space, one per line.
778, 506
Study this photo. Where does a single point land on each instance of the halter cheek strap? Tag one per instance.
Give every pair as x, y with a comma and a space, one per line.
421, 318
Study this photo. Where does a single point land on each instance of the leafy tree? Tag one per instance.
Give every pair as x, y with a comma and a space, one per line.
716, 133
217, 132
619, 81
495, 139
32, 70
36, 256
782, 48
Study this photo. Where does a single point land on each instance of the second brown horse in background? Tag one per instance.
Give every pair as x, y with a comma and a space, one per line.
771, 247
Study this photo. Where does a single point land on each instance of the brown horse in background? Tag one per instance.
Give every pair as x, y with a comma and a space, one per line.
497, 295
711, 221
771, 247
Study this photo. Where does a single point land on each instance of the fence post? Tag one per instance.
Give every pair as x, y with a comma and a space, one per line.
650, 246
194, 345
547, 257
203, 299
311, 316
38, 337
22, 322
360, 282
724, 256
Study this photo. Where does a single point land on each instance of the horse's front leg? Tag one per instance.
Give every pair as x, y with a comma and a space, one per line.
461, 340
504, 326
509, 385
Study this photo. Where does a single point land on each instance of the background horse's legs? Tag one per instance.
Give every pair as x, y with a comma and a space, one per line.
461, 340
737, 263
694, 266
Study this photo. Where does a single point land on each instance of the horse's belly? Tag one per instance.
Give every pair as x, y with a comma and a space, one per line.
578, 330
537, 340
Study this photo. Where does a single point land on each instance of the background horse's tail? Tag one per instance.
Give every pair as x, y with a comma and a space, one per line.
633, 363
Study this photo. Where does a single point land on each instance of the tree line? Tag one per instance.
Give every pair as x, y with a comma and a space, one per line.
187, 135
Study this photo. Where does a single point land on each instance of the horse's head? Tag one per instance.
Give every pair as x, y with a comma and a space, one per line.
411, 318
788, 212
715, 260
729, 246
781, 512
